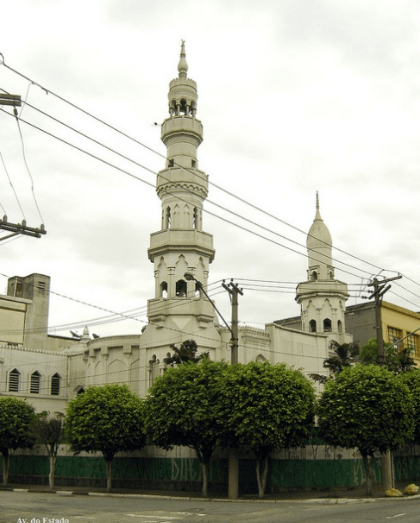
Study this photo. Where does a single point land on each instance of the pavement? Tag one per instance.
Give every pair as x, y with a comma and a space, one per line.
330, 496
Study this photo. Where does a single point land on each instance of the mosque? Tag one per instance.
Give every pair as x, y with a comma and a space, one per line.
50, 370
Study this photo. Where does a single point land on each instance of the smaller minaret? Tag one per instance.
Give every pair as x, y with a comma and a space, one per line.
322, 298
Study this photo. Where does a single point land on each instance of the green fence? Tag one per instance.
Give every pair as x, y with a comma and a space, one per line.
169, 473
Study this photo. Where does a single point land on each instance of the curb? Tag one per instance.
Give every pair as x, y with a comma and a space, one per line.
329, 501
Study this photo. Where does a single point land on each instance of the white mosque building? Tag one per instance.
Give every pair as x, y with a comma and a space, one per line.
180, 309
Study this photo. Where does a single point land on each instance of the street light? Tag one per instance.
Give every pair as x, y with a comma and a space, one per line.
190, 277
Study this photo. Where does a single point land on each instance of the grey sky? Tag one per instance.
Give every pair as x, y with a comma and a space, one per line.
295, 96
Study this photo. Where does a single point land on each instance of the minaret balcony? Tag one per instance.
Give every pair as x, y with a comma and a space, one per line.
200, 308
309, 289
182, 125
181, 240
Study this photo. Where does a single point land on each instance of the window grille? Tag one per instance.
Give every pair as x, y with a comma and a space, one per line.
55, 384
35, 382
14, 380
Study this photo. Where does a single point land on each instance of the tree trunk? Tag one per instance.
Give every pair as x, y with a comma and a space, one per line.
368, 469
261, 467
204, 473
51, 477
6, 463
108, 467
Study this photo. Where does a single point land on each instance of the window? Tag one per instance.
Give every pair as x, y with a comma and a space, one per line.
35, 382
55, 384
181, 288
327, 325
312, 326
164, 289
170, 163
14, 377
413, 342
168, 218
193, 163
394, 334
314, 276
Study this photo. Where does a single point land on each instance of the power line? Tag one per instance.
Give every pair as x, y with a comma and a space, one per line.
87, 113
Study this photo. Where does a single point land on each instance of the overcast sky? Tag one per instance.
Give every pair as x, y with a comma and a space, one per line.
296, 96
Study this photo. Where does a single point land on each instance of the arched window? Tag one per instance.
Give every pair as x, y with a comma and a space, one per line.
312, 326
168, 218
55, 384
198, 290
164, 289
181, 288
340, 326
14, 378
195, 218
35, 382
314, 276
327, 325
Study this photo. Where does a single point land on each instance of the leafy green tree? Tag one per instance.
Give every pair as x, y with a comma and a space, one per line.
16, 429
344, 356
412, 380
105, 419
49, 432
397, 359
187, 352
368, 408
182, 409
265, 407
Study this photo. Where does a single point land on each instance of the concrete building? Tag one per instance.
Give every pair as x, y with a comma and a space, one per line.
179, 309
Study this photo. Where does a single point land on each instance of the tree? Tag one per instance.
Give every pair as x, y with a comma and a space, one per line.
369, 408
185, 353
265, 407
49, 432
344, 356
182, 409
412, 380
16, 429
105, 419
397, 359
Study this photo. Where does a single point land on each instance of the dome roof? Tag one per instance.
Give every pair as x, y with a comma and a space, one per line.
319, 236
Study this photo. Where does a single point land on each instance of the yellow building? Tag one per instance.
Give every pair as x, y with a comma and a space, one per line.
398, 325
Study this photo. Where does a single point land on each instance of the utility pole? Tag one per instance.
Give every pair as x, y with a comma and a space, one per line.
17, 228
233, 476
379, 289
234, 290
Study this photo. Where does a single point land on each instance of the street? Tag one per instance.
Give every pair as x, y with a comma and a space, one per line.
37, 507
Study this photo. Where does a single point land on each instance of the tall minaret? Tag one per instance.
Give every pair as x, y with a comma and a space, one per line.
322, 298
181, 246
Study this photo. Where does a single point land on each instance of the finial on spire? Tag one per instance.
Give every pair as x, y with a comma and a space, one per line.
183, 66
317, 201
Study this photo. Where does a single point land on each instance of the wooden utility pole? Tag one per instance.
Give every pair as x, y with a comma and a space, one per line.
379, 289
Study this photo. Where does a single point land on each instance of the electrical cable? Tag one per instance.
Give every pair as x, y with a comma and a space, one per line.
47, 91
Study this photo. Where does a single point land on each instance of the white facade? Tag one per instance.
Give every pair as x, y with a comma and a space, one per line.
179, 309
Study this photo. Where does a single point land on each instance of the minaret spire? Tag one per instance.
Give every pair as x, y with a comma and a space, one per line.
183, 66
181, 245
322, 297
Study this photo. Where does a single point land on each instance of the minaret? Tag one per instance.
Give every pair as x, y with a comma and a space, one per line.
322, 298
181, 246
